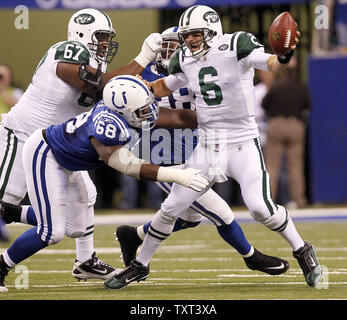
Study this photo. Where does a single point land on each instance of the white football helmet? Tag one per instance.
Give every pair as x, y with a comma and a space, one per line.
93, 28
200, 19
129, 97
170, 43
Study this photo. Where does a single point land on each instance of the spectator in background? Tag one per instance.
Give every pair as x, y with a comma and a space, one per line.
9, 95
341, 24
266, 79
287, 106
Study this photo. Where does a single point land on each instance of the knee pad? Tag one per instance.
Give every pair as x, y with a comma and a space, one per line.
276, 222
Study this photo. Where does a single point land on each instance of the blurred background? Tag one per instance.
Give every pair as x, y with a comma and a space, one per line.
317, 81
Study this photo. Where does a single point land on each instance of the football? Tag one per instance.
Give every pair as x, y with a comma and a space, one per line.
282, 33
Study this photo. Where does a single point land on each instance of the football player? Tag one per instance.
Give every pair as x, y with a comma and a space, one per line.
67, 81
173, 147
56, 157
219, 69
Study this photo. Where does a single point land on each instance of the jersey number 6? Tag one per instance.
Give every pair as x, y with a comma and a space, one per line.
206, 87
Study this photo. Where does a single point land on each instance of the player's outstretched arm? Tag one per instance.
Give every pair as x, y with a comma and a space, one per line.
177, 119
122, 160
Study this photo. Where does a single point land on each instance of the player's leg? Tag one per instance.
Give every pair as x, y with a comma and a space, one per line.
12, 179
212, 206
87, 264
47, 193
248, 169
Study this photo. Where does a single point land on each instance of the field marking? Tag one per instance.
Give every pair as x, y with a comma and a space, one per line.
150, 283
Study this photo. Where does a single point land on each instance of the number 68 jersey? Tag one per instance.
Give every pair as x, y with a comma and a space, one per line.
222, 81
70, 141
48, 99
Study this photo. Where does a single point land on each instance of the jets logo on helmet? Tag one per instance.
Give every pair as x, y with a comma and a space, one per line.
211, 17
93, 28
84, 18
129, 97
199, 19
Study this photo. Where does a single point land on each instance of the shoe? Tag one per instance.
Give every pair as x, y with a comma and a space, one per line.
135, 272
307, 259
4, 268
93, 268
129, 242
10, 212
268, 264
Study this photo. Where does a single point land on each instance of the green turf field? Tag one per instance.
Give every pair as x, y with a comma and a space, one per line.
194, 264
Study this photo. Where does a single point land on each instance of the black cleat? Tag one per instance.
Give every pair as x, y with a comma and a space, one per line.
135, 272
93, 268
268, 264
10, 212
129, 242
307, 259
4, 268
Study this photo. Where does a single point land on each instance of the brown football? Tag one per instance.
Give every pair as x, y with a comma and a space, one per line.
282, 33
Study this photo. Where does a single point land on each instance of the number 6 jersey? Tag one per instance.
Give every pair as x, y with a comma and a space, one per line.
222, 81
48, 99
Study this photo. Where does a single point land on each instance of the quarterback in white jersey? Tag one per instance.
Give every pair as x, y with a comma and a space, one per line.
219, 69
178, 148
67, 81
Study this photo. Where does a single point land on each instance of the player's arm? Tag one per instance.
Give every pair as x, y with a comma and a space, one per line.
123, 160
88, 79
180, 119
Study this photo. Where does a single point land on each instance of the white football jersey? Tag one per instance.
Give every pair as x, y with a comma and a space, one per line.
222, 81
48, 99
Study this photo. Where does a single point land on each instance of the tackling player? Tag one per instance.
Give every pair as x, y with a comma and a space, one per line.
56, 157
68, 81
219, 69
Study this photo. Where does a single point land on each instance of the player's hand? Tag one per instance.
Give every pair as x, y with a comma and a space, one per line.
296, 39
150, 47
192, 179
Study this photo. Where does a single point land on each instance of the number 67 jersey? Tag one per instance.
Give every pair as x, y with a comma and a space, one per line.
222, 81
48, 99
70, 141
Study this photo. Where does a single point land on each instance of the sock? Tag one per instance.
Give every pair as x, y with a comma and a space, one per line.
84, 247
28, 216
292, 236
23, 247
159, 229
233, 234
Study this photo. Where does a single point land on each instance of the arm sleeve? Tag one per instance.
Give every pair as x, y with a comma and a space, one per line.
256, 59
176, 81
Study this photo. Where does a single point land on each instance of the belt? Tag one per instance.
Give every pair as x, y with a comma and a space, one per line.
44, 135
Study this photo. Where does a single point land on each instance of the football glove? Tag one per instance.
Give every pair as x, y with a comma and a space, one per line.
150, 47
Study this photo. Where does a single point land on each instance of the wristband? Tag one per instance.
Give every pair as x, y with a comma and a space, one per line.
286, 58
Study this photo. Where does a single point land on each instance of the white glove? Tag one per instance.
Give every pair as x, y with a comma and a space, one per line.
190, 178
150, 47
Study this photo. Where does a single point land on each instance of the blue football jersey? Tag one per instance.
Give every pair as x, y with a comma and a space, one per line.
70, 141
168, 146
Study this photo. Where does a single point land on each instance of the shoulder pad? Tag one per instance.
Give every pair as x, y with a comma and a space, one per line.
244, 43
73, 52
174, 65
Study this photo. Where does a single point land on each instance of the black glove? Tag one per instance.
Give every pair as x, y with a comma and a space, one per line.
93, 80
286, 58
